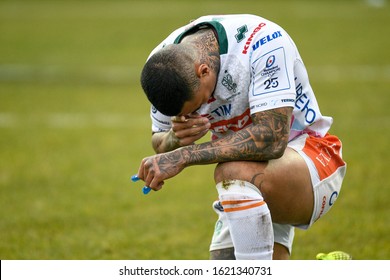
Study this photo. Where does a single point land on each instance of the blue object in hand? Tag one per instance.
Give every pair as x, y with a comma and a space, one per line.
134, 178
145, 189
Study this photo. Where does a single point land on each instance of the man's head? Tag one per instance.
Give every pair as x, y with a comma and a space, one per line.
175, 81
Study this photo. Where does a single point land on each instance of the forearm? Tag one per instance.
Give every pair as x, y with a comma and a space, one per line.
265, 139
239, 146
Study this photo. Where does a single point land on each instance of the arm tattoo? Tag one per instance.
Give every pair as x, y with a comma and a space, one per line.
266, 138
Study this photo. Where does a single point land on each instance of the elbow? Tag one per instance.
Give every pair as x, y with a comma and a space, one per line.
276, 149
281, 146
157, 143
279, 151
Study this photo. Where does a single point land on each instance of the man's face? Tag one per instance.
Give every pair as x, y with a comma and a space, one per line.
201, 96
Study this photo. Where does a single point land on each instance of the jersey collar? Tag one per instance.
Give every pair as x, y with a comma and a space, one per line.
220, 30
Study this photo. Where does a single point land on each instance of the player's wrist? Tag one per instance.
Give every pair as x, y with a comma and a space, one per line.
172, 141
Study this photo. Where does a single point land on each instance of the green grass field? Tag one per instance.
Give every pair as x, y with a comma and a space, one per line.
74, 126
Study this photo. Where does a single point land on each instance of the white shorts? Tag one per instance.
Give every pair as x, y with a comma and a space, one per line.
323, 157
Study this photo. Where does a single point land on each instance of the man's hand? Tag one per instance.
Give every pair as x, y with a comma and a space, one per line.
155, 169
190, 128
185, 131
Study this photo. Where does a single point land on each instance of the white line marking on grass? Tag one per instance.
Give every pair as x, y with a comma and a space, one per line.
8, 120
124, 121
74, 120
62, 73
359, 73
125, 74
376, 3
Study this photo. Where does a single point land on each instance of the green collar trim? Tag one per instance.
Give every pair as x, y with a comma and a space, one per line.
218, 27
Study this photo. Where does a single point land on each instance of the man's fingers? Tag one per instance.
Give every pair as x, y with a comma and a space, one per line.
190, 128
191, 139
193, 131
180, 119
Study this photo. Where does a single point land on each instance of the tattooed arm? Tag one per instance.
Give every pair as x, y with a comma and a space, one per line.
265, 139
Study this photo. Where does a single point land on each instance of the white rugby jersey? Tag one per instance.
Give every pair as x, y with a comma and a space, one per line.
261, 69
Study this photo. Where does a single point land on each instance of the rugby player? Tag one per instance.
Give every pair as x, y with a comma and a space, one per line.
278, 165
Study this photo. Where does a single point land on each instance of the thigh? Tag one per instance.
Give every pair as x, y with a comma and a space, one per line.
284, 183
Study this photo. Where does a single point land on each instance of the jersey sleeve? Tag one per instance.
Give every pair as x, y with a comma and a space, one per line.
160, 122
272, 71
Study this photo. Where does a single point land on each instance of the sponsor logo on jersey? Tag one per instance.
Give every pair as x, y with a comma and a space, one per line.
234, 124
227, 82
224, 110
263, 104
158, 117
163, 122
333, 198
270, 69
302, 102
322, 207
221, 111
241, 33
249, 41
325, 201
270, 61
267, 39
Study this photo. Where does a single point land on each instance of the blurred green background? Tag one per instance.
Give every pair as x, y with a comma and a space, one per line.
74, 126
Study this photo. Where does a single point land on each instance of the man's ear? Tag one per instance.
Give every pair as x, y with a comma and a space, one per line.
202, 70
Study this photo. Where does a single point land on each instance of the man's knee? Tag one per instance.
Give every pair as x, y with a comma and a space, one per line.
221, 171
